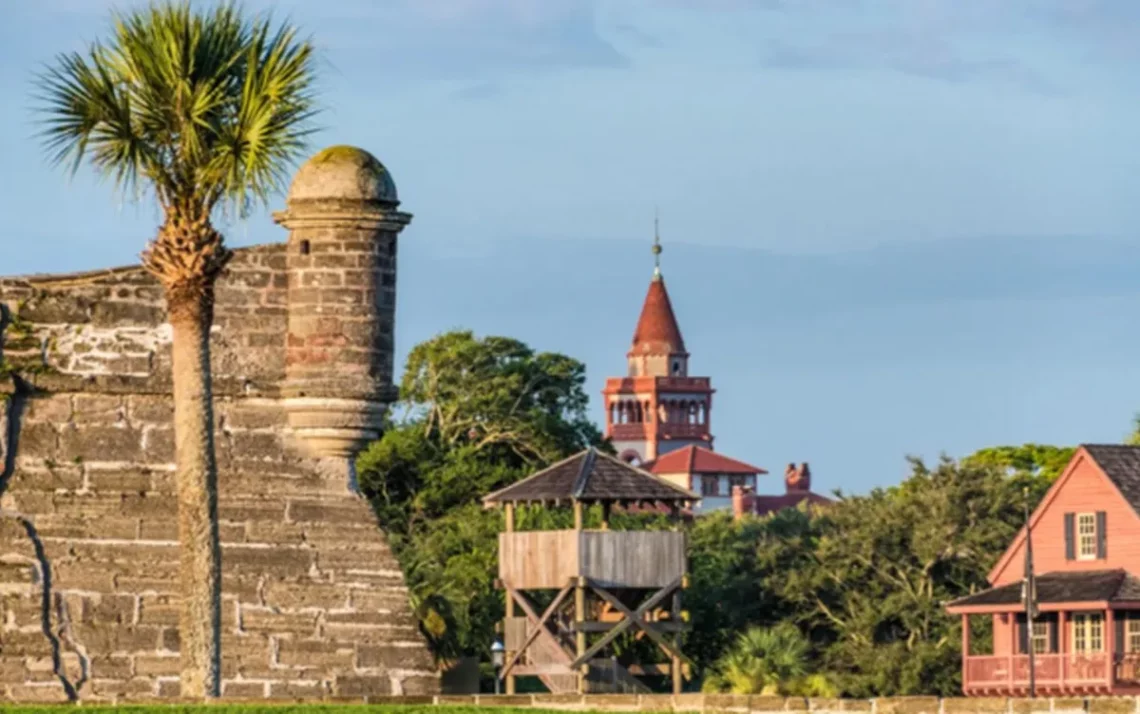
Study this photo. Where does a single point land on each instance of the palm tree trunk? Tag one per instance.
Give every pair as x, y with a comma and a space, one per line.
191, 314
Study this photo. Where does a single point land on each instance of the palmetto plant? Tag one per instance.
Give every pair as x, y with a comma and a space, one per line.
768, 661
205, 110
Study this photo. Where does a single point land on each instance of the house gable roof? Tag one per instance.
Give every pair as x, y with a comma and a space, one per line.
1118, 464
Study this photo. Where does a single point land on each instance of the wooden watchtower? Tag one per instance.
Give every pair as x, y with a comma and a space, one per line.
606, 582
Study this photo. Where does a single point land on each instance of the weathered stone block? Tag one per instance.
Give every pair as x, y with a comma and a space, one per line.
361, 686
974, 705
600, 702
297, 690
416, 686
245, 690
1112, 705
151, 665
305, 594
393, 657
112, 667
48, 478
314, 653
907, 705
280, 562
330, 511
93, 443
254, 619
261, 509
162, 610
39, 441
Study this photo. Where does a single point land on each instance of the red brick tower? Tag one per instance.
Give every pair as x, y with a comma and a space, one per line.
657, 407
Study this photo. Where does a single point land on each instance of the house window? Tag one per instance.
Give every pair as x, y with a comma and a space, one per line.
1040, 637
710, 485
1133, 636
1088, 632
1086, 536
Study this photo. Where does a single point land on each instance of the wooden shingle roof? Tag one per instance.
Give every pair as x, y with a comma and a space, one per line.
1063, 586
1121, 463
592, 477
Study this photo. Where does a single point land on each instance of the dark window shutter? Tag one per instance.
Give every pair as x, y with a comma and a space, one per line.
1070, 546
1022, 635
1053, 628
1118, 637
1101, 534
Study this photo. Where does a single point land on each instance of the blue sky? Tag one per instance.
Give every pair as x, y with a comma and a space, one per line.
848, 154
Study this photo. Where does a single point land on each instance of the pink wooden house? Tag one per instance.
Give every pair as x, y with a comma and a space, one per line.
1086, 552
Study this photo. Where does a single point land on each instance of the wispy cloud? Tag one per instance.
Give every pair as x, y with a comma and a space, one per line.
919, 55
464, 39
417, 39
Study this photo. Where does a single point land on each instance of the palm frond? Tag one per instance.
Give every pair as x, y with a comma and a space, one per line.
202, 106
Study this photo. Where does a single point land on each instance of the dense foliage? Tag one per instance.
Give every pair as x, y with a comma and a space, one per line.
479, 414
848, 600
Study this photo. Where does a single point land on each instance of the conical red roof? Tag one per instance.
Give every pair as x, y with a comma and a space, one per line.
657, 332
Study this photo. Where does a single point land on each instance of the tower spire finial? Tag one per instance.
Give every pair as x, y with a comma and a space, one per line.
656, 246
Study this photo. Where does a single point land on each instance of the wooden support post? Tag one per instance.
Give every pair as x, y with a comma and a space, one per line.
578, 516
579, 617
965, 651
509, 517
507, 654
1063, 643
1111, 646
676, 661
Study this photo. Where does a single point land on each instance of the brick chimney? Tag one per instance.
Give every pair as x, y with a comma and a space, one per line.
741, 502
797, 479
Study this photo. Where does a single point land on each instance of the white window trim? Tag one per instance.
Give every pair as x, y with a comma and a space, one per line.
1043, 639
1083, 625
1132, 635
1081, 554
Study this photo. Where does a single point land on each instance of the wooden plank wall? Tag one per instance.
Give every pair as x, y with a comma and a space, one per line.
633, 559
536, 560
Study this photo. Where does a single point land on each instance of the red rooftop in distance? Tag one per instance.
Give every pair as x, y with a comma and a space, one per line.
658, 417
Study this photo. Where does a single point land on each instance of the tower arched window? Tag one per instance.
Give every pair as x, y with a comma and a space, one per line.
676, 367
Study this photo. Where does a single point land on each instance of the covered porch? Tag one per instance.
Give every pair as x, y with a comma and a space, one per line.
1085, 637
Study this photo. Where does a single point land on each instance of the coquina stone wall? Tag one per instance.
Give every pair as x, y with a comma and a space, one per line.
314, 602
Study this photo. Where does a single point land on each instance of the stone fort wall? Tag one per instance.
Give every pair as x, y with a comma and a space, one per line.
315, 604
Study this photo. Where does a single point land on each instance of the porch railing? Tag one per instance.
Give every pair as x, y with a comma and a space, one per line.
1012, 671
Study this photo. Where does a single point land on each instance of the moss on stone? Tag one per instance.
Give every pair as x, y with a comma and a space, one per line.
343, 153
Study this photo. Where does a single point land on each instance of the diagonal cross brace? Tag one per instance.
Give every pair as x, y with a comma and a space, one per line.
527, 608
632, 618
644, 626
539, 628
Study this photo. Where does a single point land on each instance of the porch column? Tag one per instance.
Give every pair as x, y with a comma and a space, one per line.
965, 650
1110, 645
1063, 644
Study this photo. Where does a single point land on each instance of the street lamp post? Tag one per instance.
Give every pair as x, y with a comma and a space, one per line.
497, 651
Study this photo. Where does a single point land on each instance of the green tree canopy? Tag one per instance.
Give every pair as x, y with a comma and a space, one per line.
478, 414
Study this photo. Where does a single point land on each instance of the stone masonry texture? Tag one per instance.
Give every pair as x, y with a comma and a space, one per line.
315, 605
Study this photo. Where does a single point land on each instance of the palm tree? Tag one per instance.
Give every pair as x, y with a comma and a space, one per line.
768, 661
206, 109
